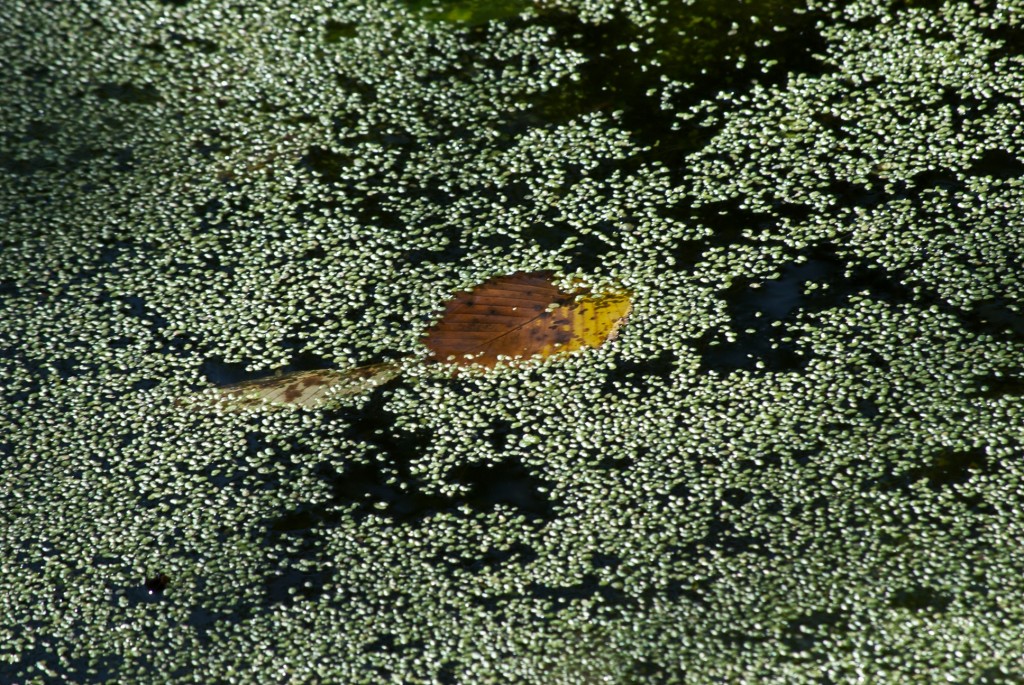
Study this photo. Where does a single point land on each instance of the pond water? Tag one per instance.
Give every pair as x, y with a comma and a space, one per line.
798, 462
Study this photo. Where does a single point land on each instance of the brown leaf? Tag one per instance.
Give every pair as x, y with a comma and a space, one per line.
522, 315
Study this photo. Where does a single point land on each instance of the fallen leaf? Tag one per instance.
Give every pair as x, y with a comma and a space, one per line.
522, 315
306, 388
501, 320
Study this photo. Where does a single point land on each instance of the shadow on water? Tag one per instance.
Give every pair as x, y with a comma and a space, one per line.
706, 46
386, 488
763, 312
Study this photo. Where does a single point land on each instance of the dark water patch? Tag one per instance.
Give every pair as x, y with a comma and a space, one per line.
144, 384
328, 165
135, 306
607, 81
934, 179
180, 345
447, 673
561, 597
356, 314
804, 457
314, 253
733, 639
806, 632
693, 591
220, 372
9, 288
192, 43
1008, 37
40, 130
943, 471
680, 490
289, 585
449, 253
384, 486
589, 250
637, 376
128, 93
600, 560
214, 262
722, 538
378, 211
113, 248
337, 31
949, 467
762, 462
351, 84
1008, 383
612, 463
497, 433
376, 492
83, 154
69, 367
157, 583
208, 149
997, 164
257, 444
518, 553
868, 407
203, 620
686, 253
779, 298
863, 195
390, 643
729, 221
27, 166
796, 213
996, 315
509, 483
759, 354
761, 345
920, 598
736, 497
296, 522
613, 460
213, 208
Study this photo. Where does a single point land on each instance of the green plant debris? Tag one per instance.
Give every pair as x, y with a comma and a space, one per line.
798, 463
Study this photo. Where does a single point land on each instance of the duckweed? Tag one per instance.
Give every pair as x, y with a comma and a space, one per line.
799, 462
